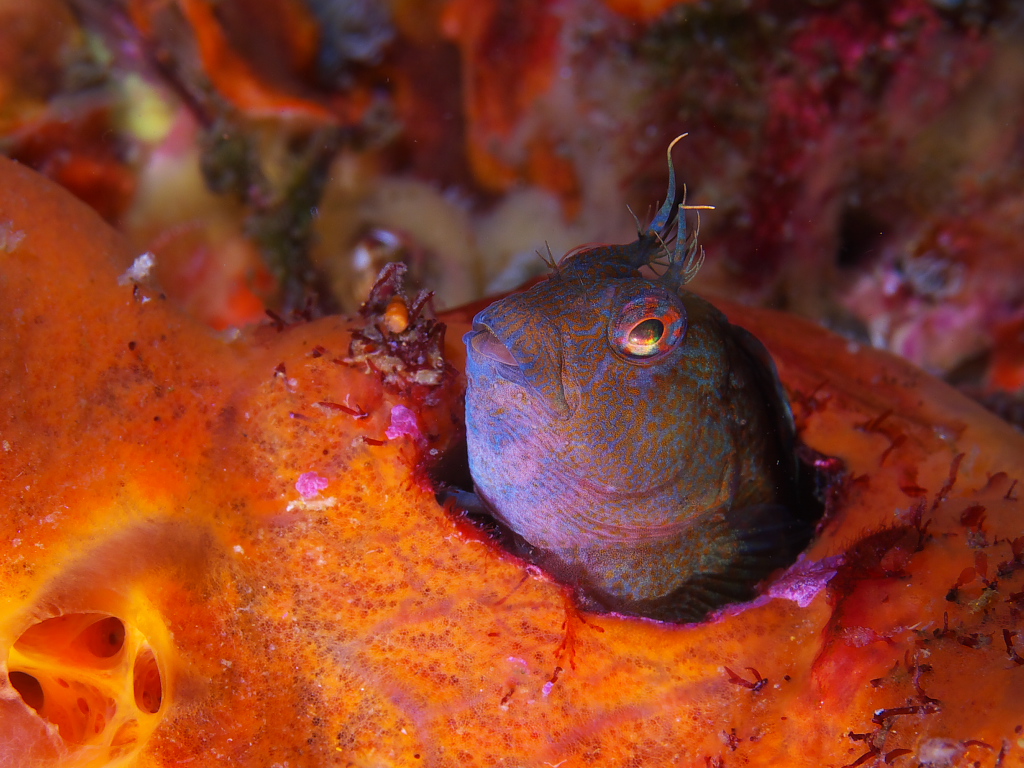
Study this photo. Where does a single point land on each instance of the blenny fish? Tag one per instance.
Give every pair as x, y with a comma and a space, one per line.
639, 444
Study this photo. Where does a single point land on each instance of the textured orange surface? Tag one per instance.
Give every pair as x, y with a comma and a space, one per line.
516, 44
232, 74
149, 474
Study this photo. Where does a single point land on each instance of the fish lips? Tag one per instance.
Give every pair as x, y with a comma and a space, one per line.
534, 364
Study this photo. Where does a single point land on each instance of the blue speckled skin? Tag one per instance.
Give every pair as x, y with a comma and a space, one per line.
661, 488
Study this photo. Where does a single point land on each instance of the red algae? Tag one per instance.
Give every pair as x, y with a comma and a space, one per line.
165, 556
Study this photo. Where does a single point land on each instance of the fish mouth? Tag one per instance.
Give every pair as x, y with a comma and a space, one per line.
483, 342
486, 344
518, 353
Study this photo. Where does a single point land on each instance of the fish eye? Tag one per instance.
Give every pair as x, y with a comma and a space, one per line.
645, 335
648, 327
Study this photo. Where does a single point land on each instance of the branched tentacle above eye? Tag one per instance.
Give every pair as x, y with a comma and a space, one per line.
664, 243
685, 257
663, 219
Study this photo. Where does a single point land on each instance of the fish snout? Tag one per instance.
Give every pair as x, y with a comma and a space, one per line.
482, 341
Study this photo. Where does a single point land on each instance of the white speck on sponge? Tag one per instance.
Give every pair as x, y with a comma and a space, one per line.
312, 505
139, 270
10, 238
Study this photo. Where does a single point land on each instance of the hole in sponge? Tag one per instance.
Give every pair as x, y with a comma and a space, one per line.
80, 714
126, 735
820, 477
148, 689
86, 639
92, 676
104, 638
28, 688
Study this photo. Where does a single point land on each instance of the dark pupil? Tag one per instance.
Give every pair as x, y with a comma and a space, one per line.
648, 332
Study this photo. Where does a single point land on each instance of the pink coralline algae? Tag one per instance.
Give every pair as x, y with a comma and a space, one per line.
805, 580
403, 422
310, 484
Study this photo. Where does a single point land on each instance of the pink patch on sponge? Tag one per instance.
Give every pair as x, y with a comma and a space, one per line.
403, 422
310, 484
805, 579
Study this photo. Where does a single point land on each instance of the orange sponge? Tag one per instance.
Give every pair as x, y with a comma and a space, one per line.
223, 552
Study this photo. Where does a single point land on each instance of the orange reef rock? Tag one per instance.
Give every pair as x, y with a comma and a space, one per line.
222, 552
